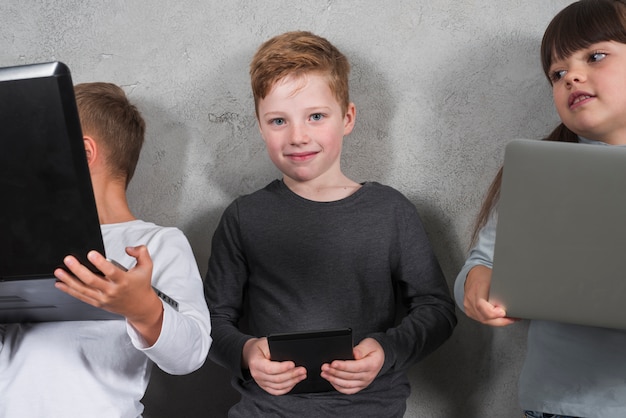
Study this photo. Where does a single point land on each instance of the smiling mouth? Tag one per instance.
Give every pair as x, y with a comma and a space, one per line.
301, 155
579, 98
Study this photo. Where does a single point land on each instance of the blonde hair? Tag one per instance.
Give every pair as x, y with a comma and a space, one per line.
107, 115
295, 54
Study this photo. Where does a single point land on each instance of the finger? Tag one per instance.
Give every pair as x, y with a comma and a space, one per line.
73, 265
67, 282
279, 384
281, 370
487, 309
347, 387
279, 389
80, 274
350, 370
66, 277
103, 265
358, 353
74, 287
501, 322
494, 315
345, 379
348, 380
86, 283
142, 255
288, 377
345, 366
80, 294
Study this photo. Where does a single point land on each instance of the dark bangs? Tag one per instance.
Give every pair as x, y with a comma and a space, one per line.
581, 24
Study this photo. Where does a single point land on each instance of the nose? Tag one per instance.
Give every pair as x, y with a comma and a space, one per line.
575, 74
299, 134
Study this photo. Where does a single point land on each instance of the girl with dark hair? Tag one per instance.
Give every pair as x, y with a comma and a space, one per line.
570, 370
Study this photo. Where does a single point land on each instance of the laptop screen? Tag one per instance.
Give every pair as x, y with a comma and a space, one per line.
48, 209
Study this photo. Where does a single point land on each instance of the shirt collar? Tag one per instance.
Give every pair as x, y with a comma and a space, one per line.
583, 140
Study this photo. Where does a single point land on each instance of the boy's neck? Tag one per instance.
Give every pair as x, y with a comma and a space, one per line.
111, 202
320, 192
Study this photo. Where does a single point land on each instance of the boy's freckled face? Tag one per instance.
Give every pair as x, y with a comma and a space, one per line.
303, 126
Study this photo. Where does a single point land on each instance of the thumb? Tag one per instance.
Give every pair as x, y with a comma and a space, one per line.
357, 353
141, 254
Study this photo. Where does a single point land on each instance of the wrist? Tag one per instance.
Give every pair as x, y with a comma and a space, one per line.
149, 320
248, 346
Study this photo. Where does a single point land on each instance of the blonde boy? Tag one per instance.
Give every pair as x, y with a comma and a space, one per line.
317, 250
102, 368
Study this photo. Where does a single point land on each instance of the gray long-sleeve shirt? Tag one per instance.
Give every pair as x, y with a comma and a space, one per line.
284, 263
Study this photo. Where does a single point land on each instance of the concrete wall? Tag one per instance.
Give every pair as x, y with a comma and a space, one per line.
440, 86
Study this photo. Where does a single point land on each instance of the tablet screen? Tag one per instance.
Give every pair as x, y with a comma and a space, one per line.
311, 349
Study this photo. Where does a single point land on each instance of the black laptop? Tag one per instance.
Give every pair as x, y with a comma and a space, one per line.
48, 208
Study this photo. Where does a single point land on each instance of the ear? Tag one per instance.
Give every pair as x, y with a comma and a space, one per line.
91, 149
349, 119
258, 124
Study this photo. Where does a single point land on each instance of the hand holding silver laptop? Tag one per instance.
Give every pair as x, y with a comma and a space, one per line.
476, 301
561, 235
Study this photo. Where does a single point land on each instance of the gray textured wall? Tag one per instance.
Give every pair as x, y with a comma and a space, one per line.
440, 86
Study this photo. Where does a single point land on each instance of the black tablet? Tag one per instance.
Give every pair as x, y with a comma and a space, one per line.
311, 349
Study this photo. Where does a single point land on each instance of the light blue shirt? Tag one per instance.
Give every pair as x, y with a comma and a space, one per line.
569, 369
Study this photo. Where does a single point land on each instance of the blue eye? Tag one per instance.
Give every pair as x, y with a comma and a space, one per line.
597, 56
317, 116
277, 121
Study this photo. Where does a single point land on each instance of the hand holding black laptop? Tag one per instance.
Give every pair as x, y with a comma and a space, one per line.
125, 292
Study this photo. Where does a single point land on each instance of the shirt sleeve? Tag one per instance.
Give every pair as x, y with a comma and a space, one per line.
424, 294
3, 331
225, 285
185, 337
480, 255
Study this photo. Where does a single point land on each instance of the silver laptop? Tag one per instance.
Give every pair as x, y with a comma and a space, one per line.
560, 250
48, 209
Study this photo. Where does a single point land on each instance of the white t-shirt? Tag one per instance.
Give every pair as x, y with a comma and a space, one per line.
102, 368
